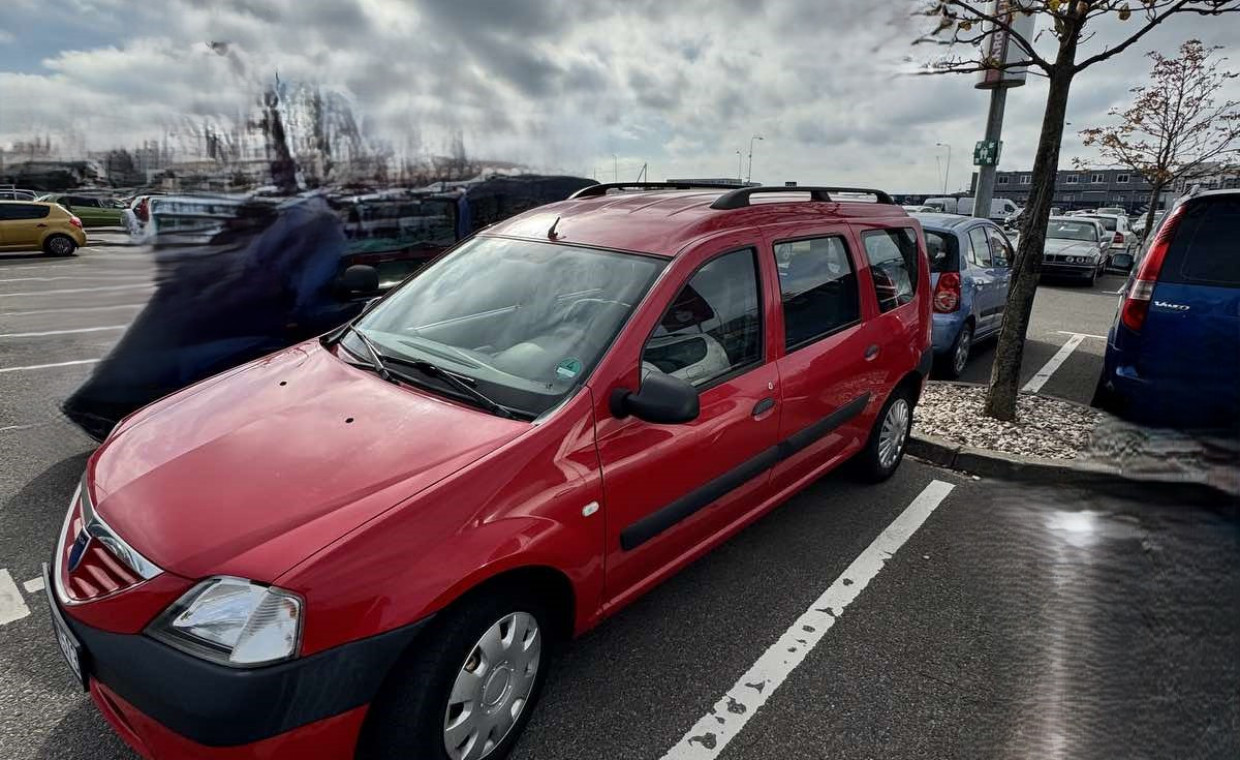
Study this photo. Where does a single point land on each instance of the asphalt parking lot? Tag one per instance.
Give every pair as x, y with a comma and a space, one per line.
932, 616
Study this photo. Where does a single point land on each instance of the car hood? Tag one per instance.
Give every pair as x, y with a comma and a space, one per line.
1069, 247
250, 472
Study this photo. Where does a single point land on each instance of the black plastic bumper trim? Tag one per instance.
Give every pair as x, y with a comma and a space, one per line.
927, 362
660, 520
217, 706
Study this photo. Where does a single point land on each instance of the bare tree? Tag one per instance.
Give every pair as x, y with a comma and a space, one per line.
1175, 130
967, 23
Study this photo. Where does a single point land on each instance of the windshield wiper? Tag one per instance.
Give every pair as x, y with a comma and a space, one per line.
376, 359
433, 370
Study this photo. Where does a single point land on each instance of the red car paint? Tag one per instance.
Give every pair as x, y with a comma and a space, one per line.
379, 504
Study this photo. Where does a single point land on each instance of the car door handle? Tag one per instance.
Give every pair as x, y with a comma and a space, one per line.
871, 353
763, 406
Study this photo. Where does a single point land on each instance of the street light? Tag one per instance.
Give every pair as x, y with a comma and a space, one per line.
615, 168
949, 164
749, 176
740, 166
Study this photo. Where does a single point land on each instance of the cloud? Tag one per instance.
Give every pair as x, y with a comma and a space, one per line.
560, 84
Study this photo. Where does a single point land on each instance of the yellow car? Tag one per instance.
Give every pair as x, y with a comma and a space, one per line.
35, 226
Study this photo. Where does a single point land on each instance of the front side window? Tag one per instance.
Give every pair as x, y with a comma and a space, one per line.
979, 249
524, 322
713, 327
1000, 249
818, 289
893, 265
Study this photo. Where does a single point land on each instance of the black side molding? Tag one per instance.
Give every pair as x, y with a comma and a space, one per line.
656, 522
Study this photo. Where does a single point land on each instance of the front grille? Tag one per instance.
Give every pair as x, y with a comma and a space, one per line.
87, 568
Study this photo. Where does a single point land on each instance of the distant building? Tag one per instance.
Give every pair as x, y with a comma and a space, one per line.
1081, 188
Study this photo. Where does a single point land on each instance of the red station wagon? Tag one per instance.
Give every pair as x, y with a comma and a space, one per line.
369, 544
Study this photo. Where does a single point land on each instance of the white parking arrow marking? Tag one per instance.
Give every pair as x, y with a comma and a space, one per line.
12, 605
708, 737
34, 585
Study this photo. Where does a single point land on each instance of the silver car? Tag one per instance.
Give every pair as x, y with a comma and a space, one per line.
1075, 247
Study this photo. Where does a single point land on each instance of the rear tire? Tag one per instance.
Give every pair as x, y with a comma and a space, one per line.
59, 245
951, 365
884, 450
420, 708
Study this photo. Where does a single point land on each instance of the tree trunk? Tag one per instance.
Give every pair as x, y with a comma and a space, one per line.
1149, 215
1005, 374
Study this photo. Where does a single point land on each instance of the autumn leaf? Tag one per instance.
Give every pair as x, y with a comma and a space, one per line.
966, 25
1054, 5
1125, 13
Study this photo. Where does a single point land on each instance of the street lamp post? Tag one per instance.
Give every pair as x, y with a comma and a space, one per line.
740, 166
615, 168
749, 175
949, 164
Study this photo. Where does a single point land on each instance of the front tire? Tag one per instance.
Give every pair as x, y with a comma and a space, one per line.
467, 687
884, 450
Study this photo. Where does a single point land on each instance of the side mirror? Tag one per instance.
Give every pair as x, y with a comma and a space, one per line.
359, 279
662, 399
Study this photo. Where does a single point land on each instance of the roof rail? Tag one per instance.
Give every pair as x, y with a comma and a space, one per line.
602, 188
739, 198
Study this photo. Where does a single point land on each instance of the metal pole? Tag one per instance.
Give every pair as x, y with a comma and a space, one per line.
749, 174
986, 174
938, 168
740, 167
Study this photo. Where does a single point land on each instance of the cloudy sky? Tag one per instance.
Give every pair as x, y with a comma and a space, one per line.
558, 84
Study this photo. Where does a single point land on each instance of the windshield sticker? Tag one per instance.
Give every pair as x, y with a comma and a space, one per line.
568, 368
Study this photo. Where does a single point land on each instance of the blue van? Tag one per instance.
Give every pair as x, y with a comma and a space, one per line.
1173, 353
970, 272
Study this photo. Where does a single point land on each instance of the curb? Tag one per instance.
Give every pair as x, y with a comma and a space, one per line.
1041, 470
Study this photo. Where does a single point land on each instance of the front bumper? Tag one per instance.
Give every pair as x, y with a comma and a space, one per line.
162, 700
1066, 269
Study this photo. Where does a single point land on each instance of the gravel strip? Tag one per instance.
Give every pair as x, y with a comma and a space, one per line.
1045, 427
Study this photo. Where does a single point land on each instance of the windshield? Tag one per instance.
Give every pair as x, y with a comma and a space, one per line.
525, 321
1062, 229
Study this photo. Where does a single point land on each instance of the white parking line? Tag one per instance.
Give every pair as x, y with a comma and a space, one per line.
34, 585
49, 366
1087, 335
71, 308
1038, 380
62, 332
12, 605
93, 276
708, 737
66, 291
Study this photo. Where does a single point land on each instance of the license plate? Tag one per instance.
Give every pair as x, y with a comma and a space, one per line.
68, 643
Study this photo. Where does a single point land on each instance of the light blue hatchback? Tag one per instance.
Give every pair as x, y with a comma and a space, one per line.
970, 274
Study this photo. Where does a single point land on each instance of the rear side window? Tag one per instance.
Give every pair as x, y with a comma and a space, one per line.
818, 289
1204, 249
893, 265
23, 211
713, 327
979, 248
943, 250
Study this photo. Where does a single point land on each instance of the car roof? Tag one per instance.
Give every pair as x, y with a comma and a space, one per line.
664, 221
944, 222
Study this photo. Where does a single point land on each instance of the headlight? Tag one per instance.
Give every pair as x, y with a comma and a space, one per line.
233, 622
